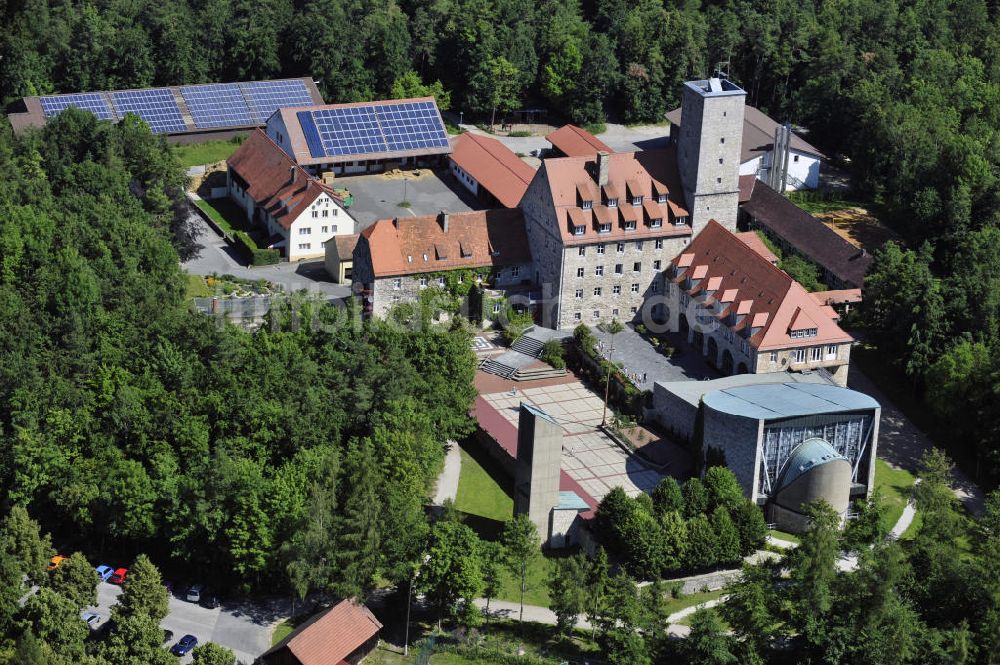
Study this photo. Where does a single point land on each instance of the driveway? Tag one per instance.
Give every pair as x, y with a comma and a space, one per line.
377, 196
243, 628
214, 255
642, 360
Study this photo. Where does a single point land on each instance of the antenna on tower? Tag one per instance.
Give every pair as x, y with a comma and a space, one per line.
722, 70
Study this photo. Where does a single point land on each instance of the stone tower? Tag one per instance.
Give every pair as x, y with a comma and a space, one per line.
539, 459
708, 150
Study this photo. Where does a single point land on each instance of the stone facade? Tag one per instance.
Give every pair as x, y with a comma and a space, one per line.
834, 358
740, 439
708, 151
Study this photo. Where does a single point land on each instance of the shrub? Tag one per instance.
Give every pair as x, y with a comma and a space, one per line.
519, 134
552, 353
253, 253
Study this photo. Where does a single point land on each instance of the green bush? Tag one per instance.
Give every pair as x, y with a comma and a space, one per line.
596, 128
520, 134
254, 254
553, 354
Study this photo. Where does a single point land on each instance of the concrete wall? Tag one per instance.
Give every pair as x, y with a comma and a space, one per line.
740, 439
675, 414
803, 168
708, 153
539, 459
463, 177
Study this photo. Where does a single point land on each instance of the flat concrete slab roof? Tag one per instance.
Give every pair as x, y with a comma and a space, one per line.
692, 391
785, 400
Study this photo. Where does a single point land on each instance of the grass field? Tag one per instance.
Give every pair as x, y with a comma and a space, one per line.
196, 287
784, 535
284, 629
479, 494
206, 153
814, 204
895, 485
216, 214
692, 599
537, 592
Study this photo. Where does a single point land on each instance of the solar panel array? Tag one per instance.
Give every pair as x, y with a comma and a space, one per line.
53, 105
359, 130
217, 105
156, 106
211, 106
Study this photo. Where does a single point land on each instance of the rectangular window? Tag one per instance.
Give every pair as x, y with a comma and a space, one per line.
661, 198
496, 308
612, 203
600, 248
619, 268
831, 351
582, 251
597, 314
774, 356
599, 271
579, 272
326, 229
304, 231
817, 353
630, 226
578, 230
515, 271
621, 248
637, 200
597, 291
655, 287
799, 356
423, 282
637, 266
326, 213
441, 282
655, 224
616, 289
577, 316
656, 264
639, 246
635, 288
579, 294
634, 310
659, 243
305, 245
397, 284
604, 228
315, 213
587, 205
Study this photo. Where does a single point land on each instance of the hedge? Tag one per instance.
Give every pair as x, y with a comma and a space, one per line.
256, 255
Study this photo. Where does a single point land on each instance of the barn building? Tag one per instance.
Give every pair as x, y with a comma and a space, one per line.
490, 170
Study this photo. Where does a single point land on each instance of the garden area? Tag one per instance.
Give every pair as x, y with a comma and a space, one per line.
206, 286
209, 152
231, 219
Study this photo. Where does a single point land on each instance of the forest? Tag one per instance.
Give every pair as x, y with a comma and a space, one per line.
130, 425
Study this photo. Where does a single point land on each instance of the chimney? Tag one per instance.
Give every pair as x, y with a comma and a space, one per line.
443, 220
603, 162
291, 174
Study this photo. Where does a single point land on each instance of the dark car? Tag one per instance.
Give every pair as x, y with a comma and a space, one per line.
210, 599
184, 645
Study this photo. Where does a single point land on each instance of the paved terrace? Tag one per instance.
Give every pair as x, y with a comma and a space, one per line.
591, 461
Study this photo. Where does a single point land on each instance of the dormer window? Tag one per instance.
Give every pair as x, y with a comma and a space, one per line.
578, 230
409, 258
425, 257
680, 221
613, 203
604, 228
655, 223
661, 198
630, 226
637, 200
587, 205
805, 332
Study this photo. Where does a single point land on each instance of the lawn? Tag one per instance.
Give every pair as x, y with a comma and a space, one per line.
285, 628
209, 152
537, 592
814, 203
196, 287
219, 213
784, 535
479, 494
692, 599
895, 485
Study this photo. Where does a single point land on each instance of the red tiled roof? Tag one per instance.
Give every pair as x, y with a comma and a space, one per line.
332, 636
274, 181
573, 141
837, 296
746, 187
345, 246
477, 239
778, 304
571, 179
756, 244
494, 166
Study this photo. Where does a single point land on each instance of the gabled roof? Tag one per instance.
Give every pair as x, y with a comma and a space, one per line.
572, 180
778, 304
756, 244
274, 181
494, 166
758, 134
345, 246
330, 637
474, 239
573, 141
808, 235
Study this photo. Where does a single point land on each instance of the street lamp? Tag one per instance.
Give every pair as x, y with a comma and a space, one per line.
461, 117
612, 328
409, 601
405, 180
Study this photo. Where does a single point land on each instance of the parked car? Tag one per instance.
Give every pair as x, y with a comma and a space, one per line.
184, 645
104, 572
194, 593
55, 562
92, 620
118, 577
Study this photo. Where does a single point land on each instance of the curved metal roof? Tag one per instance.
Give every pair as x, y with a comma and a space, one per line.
785, 400
810, 454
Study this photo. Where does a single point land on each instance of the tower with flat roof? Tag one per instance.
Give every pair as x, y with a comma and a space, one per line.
539, 458
708, 150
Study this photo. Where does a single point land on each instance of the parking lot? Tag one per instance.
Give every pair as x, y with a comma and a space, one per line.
246, 629
378, 196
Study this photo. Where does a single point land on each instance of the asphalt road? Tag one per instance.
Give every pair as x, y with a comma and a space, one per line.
244, 629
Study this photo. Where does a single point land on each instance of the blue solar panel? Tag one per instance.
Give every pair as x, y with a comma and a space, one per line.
266, 97
156, 106
217, 105
88, 101
311, 134
394, 127
352, 130
412, 126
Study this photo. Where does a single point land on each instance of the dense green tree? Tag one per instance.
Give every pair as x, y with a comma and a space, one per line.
667, 496
723, 488
211, 653
453, 571
814, 568
749, 521
727, 538
695, 498
55, 619
21, 540
707, 643
522, 546
567, 585
626, 647
492, 558
702, 544
77, 580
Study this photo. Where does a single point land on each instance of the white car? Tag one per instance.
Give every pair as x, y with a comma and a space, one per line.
194, 593
92, 620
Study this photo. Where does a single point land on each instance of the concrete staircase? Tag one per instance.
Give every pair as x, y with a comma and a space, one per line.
496, 367
538, 373
528, 345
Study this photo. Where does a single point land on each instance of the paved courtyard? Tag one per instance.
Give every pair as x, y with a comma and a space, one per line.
589, 456
642, 360
377, 196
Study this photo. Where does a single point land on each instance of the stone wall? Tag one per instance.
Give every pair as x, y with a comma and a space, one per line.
739, 437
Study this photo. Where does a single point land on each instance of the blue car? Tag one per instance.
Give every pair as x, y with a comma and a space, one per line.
104, 572
184, 645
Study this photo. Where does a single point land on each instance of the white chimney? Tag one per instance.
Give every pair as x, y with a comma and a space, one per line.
603, 164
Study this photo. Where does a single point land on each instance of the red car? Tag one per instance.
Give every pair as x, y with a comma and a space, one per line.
118, 577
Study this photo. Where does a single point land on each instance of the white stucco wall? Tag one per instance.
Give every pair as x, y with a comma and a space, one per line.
463, 177
316, 225
275, 128
803, 168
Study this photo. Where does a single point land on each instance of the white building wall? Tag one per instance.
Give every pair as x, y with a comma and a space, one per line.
315, 226
463, 177
802, 167
750, 167
276, 129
